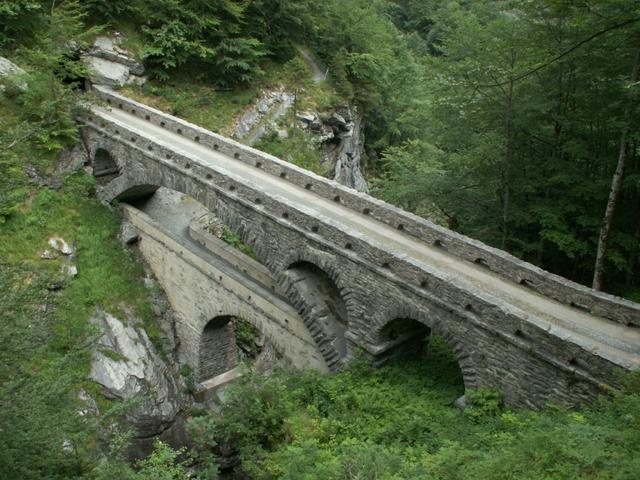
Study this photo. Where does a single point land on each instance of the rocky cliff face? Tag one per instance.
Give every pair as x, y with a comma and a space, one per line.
341, 136
128, 368
112, 65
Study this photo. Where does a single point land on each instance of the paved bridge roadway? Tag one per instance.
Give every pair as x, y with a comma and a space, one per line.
617, 342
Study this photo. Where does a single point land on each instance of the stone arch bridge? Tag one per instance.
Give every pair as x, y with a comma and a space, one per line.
351, 264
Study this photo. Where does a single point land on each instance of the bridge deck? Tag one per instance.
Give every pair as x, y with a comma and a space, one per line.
614, 341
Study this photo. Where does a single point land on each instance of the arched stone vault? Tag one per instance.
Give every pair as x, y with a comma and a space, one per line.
437, 327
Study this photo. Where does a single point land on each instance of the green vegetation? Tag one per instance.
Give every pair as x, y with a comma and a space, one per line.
46, 338
195, 101
246, 336
504, 120
300, 148
398, 422
236, 242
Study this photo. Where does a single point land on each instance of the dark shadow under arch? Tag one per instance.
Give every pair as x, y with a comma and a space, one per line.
228, 340
104, 165
407, 339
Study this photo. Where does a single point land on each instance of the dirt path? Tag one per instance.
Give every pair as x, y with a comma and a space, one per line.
318, 74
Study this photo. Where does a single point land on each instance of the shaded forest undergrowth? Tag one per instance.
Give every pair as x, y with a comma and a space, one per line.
399, 422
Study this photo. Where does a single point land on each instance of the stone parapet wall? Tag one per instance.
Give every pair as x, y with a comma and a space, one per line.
497, 261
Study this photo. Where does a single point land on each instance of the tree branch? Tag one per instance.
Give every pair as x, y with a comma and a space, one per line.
561, 55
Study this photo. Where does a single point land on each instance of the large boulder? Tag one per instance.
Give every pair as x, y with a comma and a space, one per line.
110, 64
105, 72
127, 367
11, 74
109, 48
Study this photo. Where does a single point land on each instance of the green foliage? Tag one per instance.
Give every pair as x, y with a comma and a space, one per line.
45, 335
236, 242
163, 464
398, 422
514, 132
299, 148
483, 402
246, 336
19, 19
187, 373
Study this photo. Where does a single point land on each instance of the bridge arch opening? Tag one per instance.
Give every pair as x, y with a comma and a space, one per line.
105, 166
321, 303
227, 341
409, 340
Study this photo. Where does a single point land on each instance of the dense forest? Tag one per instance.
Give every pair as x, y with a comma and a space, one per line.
513, 122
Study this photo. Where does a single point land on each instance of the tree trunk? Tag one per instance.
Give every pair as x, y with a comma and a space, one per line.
616, 182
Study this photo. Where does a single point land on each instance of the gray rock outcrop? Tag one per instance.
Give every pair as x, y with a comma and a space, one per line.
346, 155
127, 367
263, 115
11, 74
111, 65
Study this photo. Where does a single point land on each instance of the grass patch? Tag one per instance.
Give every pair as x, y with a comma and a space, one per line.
45, 335
195, 101
234, 240
300, 148
115, 356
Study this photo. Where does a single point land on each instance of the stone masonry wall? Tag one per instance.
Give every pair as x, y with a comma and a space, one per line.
200, 291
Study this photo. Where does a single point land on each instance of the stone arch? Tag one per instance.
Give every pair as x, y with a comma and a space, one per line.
219, 346
434, 326
104, 164
315, 289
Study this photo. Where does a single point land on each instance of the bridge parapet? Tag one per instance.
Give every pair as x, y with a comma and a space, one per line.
497, 261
